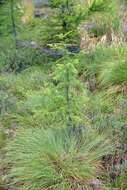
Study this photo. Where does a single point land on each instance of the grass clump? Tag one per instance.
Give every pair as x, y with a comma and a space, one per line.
46, 159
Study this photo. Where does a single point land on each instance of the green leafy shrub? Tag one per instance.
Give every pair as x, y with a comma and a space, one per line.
21, 84
55, 160
7, 102
19, 96
121, 179
16, 60
2, 138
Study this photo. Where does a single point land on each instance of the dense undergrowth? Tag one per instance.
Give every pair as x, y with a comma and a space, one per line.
63, 96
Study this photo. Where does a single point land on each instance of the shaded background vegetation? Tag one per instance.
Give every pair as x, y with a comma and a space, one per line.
63, 95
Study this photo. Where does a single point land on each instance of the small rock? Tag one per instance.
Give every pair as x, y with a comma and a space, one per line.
41, 3
96, 184
89, 26
73, 49
125, 27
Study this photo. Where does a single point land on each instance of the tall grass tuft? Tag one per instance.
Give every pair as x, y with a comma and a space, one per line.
47, 159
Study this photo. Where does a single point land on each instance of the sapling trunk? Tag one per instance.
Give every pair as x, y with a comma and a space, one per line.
14, 33
65, 8
69, 119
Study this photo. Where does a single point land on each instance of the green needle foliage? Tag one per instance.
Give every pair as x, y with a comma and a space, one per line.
49, 159
71, 90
